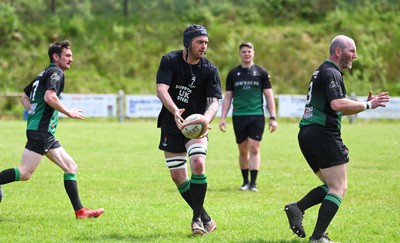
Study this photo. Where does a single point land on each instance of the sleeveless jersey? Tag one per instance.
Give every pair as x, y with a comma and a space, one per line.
189, 87
326, 85
247, 85
43, 117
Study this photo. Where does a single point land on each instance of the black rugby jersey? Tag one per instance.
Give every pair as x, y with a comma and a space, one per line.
247, 85
326, 85
189, 86
43, 117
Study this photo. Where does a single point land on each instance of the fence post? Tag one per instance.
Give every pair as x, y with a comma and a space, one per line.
120, 101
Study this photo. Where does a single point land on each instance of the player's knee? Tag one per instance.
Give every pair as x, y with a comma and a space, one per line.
197, 155
72, 168
24, 175
178, 178
344, 190
254, 150
198, 166
339, 190
243, 153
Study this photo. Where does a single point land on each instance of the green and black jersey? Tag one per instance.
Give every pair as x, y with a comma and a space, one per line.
326, 85
247, 85
43, 117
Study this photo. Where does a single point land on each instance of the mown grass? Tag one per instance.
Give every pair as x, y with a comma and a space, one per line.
122, 170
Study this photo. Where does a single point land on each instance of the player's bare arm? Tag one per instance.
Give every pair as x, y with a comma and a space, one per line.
26, 102
350, 107
226, 104
269, 96
51, 98
166, 100
212, 108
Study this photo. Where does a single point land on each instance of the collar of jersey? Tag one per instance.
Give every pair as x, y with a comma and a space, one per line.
332, 62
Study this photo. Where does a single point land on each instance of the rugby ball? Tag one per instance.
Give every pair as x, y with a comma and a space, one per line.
195, 126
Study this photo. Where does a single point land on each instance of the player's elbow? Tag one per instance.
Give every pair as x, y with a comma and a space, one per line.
160, 91
336, 105
49, 97
24, 99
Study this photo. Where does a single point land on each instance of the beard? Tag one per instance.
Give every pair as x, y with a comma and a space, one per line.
346, 63
196, 55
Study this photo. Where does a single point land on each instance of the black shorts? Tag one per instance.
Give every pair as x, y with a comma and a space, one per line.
174, 143
248, 126
41, 142
322, 147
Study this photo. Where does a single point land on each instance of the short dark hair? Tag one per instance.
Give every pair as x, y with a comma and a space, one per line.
246, 44
57, 47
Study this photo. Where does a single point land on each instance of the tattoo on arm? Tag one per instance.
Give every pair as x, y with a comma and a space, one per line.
212, 107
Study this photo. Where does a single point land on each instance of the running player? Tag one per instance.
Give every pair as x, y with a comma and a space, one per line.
41, 99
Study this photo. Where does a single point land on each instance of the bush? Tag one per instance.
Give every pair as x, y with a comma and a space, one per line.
8, 23
113, 51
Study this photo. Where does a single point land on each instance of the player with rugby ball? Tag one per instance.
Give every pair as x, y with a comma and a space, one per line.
188, 83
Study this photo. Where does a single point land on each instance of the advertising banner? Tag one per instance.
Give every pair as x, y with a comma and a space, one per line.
93, 105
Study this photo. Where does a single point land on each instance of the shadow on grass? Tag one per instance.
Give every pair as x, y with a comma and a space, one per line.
114, 237
273, 241
171, 237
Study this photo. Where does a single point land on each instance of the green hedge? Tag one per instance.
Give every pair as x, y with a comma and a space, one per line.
113, 51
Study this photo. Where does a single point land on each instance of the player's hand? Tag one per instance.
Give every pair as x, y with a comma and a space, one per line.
273, 125
380, 100
222, 126
76, 114
206, 133
178, 118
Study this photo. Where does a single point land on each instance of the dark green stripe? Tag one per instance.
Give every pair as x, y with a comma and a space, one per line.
199, 179
69, 177
325, 187
184, 187
334, 198
17, 174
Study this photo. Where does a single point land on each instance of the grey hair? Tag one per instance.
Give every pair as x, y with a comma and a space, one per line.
340, 41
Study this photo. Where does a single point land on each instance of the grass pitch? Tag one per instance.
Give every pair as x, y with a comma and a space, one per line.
122, 170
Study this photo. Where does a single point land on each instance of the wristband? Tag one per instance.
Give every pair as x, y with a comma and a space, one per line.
368, 105
272, 118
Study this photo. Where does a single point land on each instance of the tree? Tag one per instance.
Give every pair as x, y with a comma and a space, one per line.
125, 7
53, 6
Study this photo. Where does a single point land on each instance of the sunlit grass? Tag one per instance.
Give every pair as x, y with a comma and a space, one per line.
122, 170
